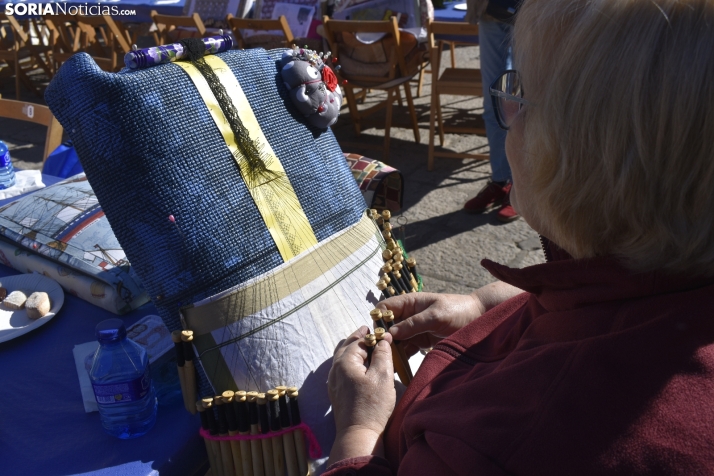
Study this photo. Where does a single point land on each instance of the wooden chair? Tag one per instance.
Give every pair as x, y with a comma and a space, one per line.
341, 37
64, 38
280, 24
453, 81
104, 39
25, 111
166, 24
17, 50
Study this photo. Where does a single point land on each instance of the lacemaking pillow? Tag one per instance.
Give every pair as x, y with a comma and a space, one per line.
243, 222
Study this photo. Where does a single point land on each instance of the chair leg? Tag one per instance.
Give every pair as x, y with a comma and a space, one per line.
388, 122
432, 127
399, 97
352, 104
420, 84
440, 120
412, 111
453, 54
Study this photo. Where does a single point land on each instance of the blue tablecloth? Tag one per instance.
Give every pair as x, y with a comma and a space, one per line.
44, 429
448, 13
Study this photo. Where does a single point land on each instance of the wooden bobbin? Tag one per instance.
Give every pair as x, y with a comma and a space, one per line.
386, 215
277, 441
298, 434
387, 235
370, 341
256, 449
387, 226
233, 430
388, 318
244, 429
391, 291
180, 365
265, 444
226, 450
291, 462
376, 315
207, 404
204, 424
379, 333
189, 370
386, 254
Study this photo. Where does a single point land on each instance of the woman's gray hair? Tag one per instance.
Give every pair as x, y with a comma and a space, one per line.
619, 141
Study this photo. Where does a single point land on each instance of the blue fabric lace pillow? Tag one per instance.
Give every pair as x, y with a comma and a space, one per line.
151, 151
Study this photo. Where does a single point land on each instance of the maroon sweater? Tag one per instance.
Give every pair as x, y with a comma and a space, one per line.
593, 370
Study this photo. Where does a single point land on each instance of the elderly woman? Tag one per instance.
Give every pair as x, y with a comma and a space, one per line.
601, 360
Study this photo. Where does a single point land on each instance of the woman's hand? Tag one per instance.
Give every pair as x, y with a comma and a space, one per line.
423, 319
362, 397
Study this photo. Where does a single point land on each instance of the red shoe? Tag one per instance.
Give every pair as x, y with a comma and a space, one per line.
507, 213
490, 196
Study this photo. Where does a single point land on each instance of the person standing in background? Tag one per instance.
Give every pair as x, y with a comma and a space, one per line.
496, 57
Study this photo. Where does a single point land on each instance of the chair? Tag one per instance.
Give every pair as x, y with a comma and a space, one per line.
170, 28
16, 48
272, 26
38, 114
453, 81
64, 38
104, 39
381, 65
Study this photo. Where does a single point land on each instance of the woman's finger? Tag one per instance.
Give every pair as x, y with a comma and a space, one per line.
355, 336
381, 361
415, 325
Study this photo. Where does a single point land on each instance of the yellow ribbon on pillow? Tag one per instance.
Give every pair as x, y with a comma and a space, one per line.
274, 196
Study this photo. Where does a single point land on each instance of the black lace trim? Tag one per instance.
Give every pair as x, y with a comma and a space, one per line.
251, 150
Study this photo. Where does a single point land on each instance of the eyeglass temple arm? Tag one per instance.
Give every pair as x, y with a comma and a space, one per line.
510, 97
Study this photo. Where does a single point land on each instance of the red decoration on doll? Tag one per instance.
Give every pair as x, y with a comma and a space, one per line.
329, 78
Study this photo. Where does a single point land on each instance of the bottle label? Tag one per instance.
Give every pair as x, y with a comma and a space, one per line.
123, 392
5, 159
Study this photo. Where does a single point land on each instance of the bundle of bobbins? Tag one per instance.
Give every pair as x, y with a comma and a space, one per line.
254, 434
397, 275
383, 320
246, 433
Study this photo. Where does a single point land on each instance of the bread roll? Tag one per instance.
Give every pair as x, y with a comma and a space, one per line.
37, 305
15, 300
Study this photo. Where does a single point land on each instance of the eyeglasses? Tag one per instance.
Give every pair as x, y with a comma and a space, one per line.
507, 96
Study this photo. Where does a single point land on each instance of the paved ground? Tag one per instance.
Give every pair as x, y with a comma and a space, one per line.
448, 243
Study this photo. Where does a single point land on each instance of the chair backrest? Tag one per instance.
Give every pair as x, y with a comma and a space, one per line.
167, 23
37, 113
279, 24
103, 38
64, 36
12, 35
461, 31
355, 57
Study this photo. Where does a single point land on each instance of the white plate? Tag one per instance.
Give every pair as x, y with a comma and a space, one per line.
16, 323
460, 6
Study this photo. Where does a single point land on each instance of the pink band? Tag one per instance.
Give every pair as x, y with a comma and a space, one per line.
314, 447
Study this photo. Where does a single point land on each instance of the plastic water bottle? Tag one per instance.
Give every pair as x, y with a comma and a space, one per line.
7, 172
121, 380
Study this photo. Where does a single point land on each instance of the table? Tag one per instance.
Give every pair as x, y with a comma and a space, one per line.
448, 13
45, 430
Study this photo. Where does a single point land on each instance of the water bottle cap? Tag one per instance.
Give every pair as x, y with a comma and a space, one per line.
110, 330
